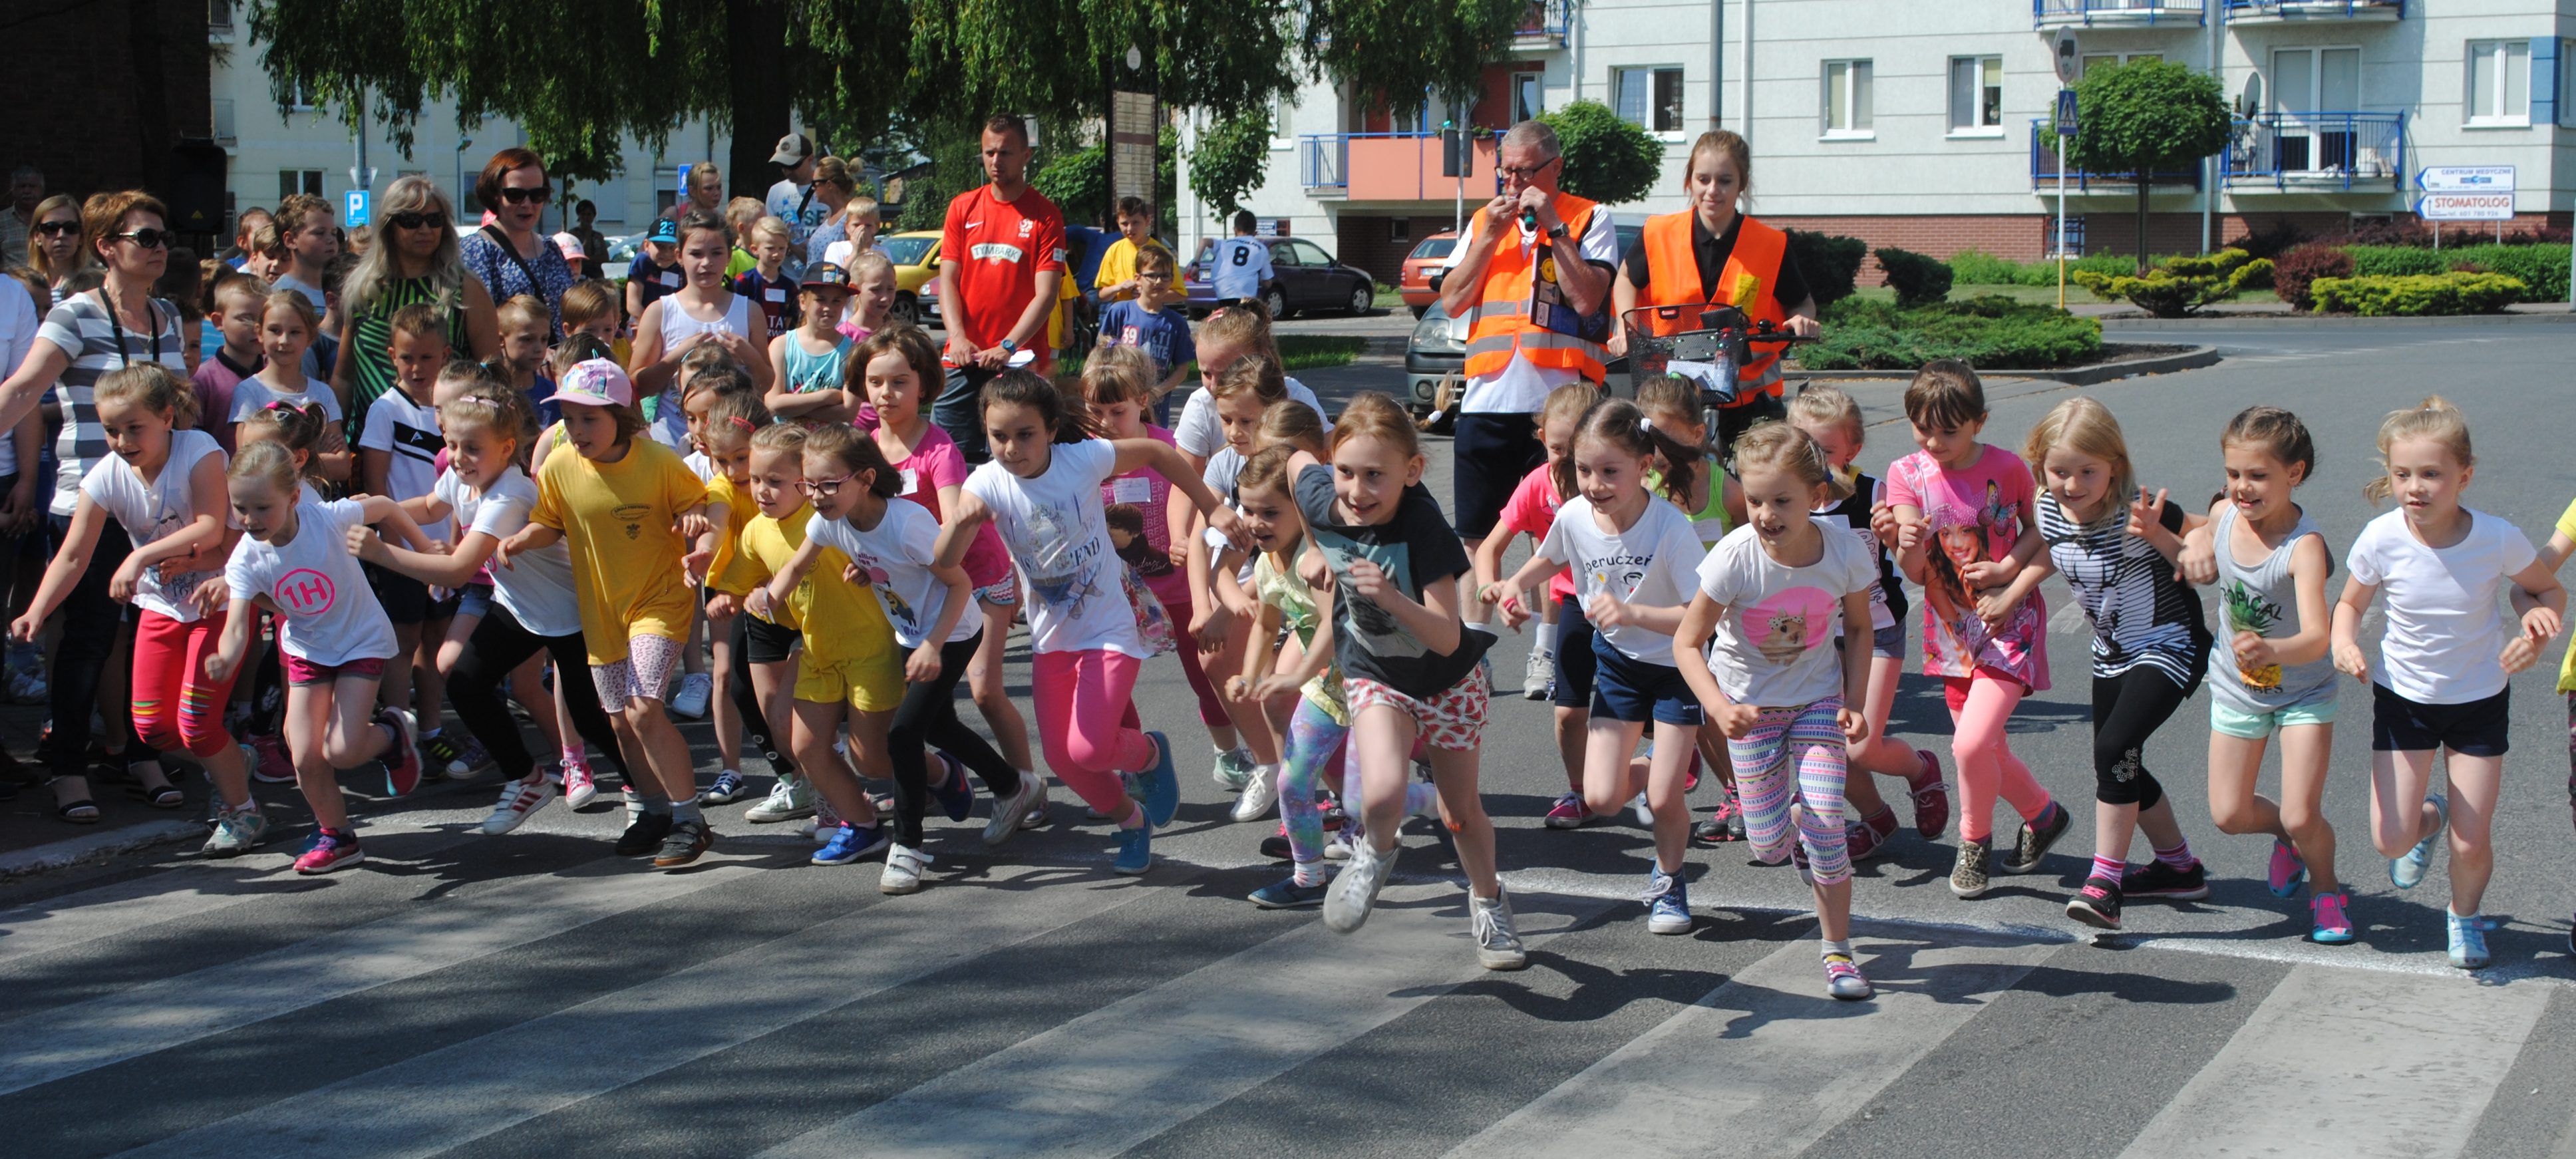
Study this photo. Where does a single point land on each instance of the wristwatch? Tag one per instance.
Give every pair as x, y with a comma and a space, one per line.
1010, 347
1558, 232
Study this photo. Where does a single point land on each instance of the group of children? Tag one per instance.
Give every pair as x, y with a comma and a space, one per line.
785, 498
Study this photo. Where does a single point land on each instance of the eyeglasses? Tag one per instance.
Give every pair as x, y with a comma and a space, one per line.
521, 196
417, 220
1529, 172
823, 487
58, 228
151, 239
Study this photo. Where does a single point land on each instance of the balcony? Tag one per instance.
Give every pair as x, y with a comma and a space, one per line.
2318, 153
1390, 167
1544, 25
2302, 11
2043, 169
2115, 13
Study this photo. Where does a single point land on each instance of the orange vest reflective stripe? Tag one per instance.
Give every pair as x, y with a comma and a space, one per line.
1748, 282
1507, 321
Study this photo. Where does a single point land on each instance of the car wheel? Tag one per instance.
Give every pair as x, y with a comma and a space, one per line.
1275, 300
1363, 298
906, 309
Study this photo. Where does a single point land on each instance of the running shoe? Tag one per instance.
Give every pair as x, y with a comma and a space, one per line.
471, 753
728, 788
1569, 812
1287, 894
2288, 870
2468, 941
329, 852
1724, 825
2329, 922
690, 698
1667, 901
1342, 842
1868, 836
2097, 904
2157, 879
956, 796
1233, 767
1498, 939
236, 831
2405, 872
644, 835
1162, 784
440, 758
789, 799
1349, 898
2032, 846
402, 775
1011, 814
1931, 796
1968, 877
1537, 675
850, 843
518, 799
1135, 851
688, 839
270, 763
903, 868
580, 788
1844, 981
1334, 816
1259, 791
1276, 848
1643, 812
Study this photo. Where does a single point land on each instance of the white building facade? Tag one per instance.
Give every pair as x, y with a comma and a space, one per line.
1925, 125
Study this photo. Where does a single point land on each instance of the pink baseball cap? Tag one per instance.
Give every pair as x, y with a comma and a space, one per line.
597, 382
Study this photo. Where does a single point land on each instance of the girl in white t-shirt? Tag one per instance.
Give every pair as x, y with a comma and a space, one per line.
1042, 490
294, 562
1774, 594
287, 324
166, 489
1630, 552
2444, 658
703, 311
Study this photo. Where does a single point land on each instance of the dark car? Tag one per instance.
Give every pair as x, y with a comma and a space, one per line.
1307, 278
1437, 349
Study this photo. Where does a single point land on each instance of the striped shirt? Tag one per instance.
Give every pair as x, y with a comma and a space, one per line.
375, 336
2140, 613
93, 340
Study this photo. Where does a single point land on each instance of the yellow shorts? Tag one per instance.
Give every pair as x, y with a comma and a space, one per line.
870, 684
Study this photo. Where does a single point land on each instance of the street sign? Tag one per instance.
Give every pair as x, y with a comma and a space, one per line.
2466, 179
358, 210
2465, 207
2070, 59
2066, 112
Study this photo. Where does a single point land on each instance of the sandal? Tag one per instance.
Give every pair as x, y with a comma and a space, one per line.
79, 811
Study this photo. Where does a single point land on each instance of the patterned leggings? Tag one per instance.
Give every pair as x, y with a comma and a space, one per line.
1808, 737
1313, 740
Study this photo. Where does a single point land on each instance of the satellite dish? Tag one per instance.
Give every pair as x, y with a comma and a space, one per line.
2252, 101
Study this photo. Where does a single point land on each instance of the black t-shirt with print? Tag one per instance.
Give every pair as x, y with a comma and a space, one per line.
1414, 548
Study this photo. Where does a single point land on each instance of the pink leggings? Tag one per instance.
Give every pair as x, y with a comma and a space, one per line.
175, 706
1088, 722
1980, 706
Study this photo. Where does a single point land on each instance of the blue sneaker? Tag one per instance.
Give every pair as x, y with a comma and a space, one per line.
2468, 940
2405, 872
1667, 903
1135, 851
1162, 785
727, 789
850, 843
956, 797
1287, 894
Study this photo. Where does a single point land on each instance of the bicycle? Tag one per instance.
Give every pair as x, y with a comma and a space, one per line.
1710, 356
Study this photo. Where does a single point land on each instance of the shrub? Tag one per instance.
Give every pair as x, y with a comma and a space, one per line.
1978, 268
2411, 295
1861, 334
1918, 280
2179, 286
1831, 264
2542, 267
2304, 264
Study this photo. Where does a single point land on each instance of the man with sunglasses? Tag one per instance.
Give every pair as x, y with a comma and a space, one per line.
26, 192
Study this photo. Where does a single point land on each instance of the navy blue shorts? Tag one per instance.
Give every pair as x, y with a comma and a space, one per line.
2479, 728
1574, 662
1632, 690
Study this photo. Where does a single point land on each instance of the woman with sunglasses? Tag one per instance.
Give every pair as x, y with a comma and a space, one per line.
508, 254
415, 259
84, 338
54, 248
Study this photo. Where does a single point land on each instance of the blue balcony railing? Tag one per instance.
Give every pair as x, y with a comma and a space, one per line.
2043, 168
1545, 24
2269, 10
1324, 161
2314, 152
2078, 13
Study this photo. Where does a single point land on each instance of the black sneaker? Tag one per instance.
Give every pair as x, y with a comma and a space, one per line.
2097, 904
645, 835
2032, 846
1275, 847
1968, 877
2157, 879
688, 839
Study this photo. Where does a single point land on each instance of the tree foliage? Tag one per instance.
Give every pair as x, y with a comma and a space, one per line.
1608, 158
2143, 118
1391, 52
1228, 160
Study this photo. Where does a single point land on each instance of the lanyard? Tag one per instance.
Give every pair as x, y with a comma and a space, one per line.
117, 327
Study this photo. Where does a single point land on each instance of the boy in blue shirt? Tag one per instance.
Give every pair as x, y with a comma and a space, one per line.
1153, 321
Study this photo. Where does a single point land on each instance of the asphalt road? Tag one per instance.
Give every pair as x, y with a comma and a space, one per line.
530, 995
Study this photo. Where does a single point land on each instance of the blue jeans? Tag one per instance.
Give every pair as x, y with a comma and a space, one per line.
958, 412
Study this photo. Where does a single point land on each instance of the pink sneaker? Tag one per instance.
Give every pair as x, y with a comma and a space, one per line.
1931, 796
1868, 836
1569, 812
329, 851
402, 762
579, 786
270, 763
2288, 870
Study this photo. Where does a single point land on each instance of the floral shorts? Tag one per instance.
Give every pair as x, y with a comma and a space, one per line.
1453, 720
642, 675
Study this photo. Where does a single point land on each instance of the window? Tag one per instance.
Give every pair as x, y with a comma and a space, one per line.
1527, 101
299, 97
223, 120
2308, 85
1283, 117
219, 17
2499, 82
293, 181
1305, 253
1650, 98
1977, 95
1399, 229
1847, 99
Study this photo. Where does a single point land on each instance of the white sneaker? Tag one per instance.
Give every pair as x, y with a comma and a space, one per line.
902, 869
1259, 791
789, 799
1233, 767
236, 831
1498, 939
518, 799
696, 688
1012, 815
1352, 895
1537, 674
1644, 813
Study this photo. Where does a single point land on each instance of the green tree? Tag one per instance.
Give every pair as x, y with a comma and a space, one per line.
1229, 159
2146, 117
1077, 182
1608, 158
1391, 52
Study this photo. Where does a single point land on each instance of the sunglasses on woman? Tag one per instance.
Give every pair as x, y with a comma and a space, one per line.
417, 220
58, 228
521, 196
151, 239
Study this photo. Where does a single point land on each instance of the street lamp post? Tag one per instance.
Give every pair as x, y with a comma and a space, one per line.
462, 144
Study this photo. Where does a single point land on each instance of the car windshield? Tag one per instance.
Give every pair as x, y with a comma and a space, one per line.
906, 251
1436, 247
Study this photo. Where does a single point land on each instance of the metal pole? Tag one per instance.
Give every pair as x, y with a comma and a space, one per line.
2061, 221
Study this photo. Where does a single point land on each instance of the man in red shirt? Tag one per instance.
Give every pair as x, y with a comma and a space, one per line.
1000, 259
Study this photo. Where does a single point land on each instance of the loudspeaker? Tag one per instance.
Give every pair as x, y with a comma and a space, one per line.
196, 193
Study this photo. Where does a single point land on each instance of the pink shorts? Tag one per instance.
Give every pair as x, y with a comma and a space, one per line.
642, 675
1453, 720
301, 672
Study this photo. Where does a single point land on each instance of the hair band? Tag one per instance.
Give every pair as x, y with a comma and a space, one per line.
739, 421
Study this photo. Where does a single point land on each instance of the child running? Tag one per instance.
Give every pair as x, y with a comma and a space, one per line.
1774, 595
2270, 564
2444, 659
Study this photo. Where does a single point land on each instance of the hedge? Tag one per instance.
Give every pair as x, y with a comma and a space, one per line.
2409, 295
1917, 280
1861, 334
2299, 266
1978, 268
2179, 286
1829, 263
2542, 268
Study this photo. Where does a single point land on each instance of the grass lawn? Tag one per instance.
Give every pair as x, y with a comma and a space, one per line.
1389, 298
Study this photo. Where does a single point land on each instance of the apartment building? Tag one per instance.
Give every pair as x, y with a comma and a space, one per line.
1925, 125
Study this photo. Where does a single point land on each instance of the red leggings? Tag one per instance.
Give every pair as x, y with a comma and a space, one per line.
175, 705
1177, 602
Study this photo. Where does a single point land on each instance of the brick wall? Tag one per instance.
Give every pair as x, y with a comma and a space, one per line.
105, 116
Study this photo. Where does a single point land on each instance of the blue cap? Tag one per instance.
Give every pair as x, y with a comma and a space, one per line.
665, 230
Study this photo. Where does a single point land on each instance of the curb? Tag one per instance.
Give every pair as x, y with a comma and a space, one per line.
2337, 321
107, 843
2192, 359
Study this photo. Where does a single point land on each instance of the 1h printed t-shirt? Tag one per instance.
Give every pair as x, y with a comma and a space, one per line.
330, 610
1648, 564
896, 555
1771, 648
1000, 248
2446, 634
1415, 548
148, 511
1973, 516
1056, 532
